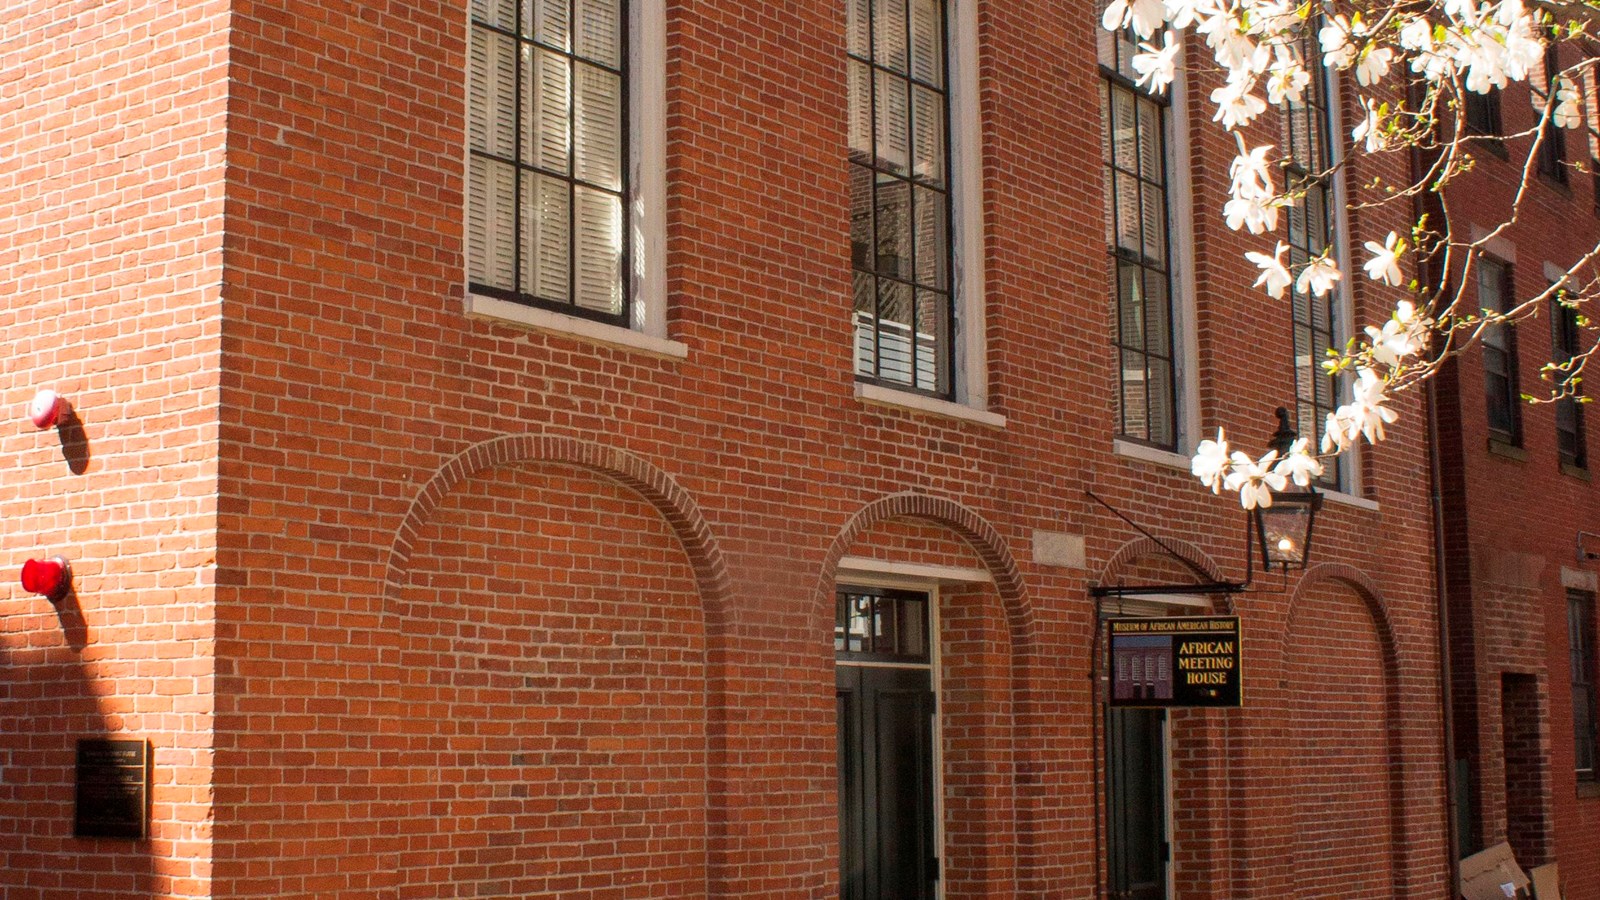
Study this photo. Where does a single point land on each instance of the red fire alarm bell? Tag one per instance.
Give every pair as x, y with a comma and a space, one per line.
45, 410
47, 577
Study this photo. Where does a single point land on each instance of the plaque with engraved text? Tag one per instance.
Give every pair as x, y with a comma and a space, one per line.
113, 789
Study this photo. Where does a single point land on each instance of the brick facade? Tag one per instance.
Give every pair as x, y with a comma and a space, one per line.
1513, 513
497, 611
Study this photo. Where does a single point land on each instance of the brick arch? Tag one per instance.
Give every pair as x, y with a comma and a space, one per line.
1377, 608
1140, 548
665, 495
1371, 598
968, 525
669, 500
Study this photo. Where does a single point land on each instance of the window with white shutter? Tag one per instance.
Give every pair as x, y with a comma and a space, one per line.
547, 182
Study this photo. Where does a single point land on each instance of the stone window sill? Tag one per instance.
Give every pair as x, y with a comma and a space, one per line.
878, 395
505, 312
1507, 450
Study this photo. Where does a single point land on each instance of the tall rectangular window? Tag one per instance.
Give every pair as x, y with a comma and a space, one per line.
1581, 649
1553, 140
1138, 229
547, 180
1308, 160
1502, 393
1571, 445
1483, 113
900, 199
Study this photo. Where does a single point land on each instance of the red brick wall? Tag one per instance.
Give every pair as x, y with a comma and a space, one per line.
111, 117
1513, 523
373, 440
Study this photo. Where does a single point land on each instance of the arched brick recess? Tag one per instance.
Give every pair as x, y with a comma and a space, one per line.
1364, 590
1023, 795
662, 494
643, 478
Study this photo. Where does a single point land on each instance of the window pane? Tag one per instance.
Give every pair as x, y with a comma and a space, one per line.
932, 239
546, 237
860, 112
933, 337
894, 331
1123, 129
499, 13
491, 223
889, 33
493, 94
546, 109
861, 240
1153, 214
865, 304
1130, 306
599, 251
1151, 166
930, 136
894, 124
547, 20
599, 27
1130, 232
927, 42
1160, 400
1157, 314
858, 27
1134, 410
599, 126
894, 229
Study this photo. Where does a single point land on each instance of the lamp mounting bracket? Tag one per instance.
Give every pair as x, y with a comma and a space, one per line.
1207, 584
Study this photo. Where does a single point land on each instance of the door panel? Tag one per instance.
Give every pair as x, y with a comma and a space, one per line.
1136, 762
886, 809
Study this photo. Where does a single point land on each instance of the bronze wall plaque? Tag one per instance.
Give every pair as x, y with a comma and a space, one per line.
113, 789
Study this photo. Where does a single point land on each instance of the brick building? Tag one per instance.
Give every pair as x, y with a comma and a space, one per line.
1520, 570
641, 450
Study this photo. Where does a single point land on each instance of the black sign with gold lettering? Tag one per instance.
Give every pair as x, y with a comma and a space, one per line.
1175, 661
113, 789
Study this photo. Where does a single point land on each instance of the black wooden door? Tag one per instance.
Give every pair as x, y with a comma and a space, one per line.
1136, 762
886, 811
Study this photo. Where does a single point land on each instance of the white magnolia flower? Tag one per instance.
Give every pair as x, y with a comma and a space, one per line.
1397, 340
1237, 103
1568, 112
1335, 438
1259, 214
1274, 277
1182, 13
1249, 174
1384, 265
1287, 81
1145, 16
1210, 463
1338, 51
1369, 129
1255, 481
1373, 65
1366, 414
1298, 465
1157, 67
1318, 277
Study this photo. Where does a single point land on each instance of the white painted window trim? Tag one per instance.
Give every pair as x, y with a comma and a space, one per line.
966, 170
1155, 456
1343, 244
1180, 256
869, 572
647, 169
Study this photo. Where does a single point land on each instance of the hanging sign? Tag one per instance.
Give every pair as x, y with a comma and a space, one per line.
1172, 661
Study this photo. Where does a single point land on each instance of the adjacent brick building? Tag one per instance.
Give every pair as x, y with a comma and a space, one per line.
556, 506
1519, 499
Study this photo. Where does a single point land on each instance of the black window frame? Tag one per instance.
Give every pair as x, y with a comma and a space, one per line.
1501, 378
871, 270
1308, 138
906, 605
1136, 273
1553, 140
1571, 442
1581, 655
523, 33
